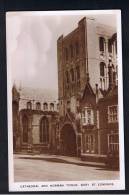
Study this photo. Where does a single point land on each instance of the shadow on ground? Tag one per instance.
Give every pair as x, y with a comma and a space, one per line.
57, 160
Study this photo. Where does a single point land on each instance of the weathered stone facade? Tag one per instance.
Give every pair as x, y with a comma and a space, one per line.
36, 122
87, 74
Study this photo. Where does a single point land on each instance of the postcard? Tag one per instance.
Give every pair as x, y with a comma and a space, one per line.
65, 100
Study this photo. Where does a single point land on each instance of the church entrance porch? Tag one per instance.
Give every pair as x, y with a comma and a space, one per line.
68, 141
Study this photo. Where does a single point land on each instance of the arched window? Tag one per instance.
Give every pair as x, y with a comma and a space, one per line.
38, 106
51, 107
25, 128
72, 74
45, 106
71, 51
44, 130
67, 76
101, 43
77, 48
109, 45
29, 105
68, 105
102, 66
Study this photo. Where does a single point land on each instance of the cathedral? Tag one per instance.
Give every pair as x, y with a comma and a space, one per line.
35, 117
84, 120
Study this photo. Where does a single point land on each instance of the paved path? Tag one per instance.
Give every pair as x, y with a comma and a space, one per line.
58, 168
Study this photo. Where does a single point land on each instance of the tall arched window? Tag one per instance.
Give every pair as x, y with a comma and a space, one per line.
25, 128
102, 66
109, 45
45, 106
38, 106
101, 43
51, 107
44, 130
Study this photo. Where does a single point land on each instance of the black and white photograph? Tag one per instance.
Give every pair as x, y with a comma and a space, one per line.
65, 100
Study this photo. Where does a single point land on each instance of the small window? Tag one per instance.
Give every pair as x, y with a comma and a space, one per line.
90, 144
51, 107
45, 106
38, 106
101, 43
29, 105
112, 114
113, 142
87, 116
102, 67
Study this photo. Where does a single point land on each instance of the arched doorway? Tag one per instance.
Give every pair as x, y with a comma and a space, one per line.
68, 138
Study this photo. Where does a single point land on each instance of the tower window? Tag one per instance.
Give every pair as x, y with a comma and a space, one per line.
109, 46
102, 66
101, 43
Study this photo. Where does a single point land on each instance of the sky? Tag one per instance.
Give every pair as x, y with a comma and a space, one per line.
32, 45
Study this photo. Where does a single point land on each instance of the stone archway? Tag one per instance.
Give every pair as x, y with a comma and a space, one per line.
68, 141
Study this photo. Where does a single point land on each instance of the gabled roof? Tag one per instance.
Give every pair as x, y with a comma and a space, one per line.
88, 90
112, 93
88, 96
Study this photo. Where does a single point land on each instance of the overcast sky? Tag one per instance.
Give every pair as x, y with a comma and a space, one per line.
32, 45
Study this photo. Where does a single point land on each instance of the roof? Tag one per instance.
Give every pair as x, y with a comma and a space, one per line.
38, 94
112, 93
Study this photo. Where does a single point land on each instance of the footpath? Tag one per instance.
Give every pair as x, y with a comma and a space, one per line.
59, 159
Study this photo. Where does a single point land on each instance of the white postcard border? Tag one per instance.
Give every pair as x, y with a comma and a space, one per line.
69, 185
